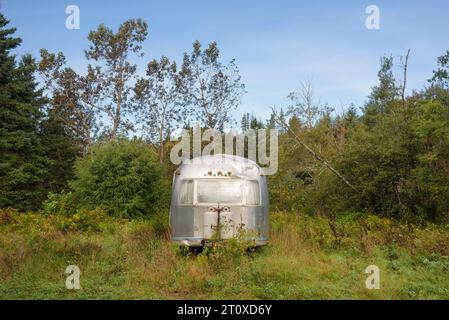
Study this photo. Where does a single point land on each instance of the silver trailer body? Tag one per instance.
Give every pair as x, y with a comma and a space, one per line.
217, 198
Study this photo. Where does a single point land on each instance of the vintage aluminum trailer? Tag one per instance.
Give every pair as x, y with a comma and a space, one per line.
216, 198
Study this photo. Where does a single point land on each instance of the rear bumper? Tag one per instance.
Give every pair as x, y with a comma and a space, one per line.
201, 242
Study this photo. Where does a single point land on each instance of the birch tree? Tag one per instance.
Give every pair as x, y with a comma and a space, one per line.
213, 88
160, 103
304, 105
114, 73
71, 95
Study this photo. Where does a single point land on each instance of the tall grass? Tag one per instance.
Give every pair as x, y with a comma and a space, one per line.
308, 258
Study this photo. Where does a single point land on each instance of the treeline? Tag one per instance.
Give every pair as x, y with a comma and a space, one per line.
112, 99
65, 136
53, 117
392, 155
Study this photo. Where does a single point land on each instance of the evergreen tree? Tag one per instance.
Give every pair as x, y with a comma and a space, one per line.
384, 95
271, 122
245, 122
22, 166
61, 149
256, 123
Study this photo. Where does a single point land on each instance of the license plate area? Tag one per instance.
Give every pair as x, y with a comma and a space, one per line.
210, 228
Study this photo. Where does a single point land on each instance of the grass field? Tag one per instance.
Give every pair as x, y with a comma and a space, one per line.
308, 258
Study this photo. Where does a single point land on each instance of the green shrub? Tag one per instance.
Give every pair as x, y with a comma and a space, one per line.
160, 225
29, 222
225, 255
60, 203
33, 222
83, 220
123, 177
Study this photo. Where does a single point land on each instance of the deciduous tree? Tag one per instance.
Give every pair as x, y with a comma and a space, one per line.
213, 88
114, 72
159, 101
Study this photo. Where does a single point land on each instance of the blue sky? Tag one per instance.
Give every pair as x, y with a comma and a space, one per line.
276, 44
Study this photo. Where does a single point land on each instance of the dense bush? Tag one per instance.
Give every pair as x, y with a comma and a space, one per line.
35, 222
123, 177
394, 153
399, 163
64, 203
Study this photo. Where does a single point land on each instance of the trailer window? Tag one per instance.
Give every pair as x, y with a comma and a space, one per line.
252, 193
186, 192
219, 191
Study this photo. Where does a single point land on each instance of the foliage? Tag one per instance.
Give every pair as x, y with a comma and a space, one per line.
394, 153
23, 163
34, 223
308, 258
213, 87
61, 149
123, 177
84, 220
304, 105
429, 183
441, 75
64, 203
161, 103
114, 72
72, 97
401, 162
249, 121
83, 102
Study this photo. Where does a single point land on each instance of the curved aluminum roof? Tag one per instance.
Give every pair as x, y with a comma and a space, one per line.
238, 166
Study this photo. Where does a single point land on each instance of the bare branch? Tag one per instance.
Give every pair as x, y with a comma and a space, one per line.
404, 78
309, 149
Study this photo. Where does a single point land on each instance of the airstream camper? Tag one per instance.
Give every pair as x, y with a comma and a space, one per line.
216, 198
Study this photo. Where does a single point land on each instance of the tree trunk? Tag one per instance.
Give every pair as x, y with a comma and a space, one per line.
161, 142
116, 120
404, 79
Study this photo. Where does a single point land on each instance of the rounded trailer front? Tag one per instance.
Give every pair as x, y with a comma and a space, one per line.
217, 198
